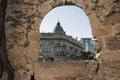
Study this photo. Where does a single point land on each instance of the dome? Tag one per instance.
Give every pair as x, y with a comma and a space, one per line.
58, 28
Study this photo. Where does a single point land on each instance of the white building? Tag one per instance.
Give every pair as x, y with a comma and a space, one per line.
58, 46
88, 45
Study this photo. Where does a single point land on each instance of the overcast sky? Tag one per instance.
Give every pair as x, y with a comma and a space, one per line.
73, 20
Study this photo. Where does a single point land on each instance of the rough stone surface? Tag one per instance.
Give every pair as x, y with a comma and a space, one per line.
23, 18
113, 43
66, 70
111, 60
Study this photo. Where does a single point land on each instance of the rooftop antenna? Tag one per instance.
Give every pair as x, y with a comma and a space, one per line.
65, 1
58, 19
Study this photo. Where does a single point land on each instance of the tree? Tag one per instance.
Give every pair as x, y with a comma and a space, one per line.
81, 55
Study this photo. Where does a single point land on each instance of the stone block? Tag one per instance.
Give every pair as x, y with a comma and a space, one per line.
34, 36
117, 28
111, 60
113, 19
33, 52
94, 20
98, 44
103, 30
65, 70
113, 43
107, 73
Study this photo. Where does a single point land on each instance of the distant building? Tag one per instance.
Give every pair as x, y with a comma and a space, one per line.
58, 46
88, 45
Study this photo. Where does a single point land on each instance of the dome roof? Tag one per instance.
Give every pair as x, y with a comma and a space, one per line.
58, 28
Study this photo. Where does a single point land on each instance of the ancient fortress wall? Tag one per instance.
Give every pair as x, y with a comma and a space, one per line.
23, 18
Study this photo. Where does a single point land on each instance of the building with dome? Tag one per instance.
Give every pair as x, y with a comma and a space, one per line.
58, 46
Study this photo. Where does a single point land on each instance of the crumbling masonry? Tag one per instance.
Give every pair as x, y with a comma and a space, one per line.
22, 21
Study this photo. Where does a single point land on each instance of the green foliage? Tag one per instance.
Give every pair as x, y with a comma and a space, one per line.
45, 58
41, 58
81, 55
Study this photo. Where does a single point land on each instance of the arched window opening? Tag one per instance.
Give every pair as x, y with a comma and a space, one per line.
66, 35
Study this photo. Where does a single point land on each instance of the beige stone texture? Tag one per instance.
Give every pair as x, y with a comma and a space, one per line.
113, 43
65, 70
23, 18
117, 29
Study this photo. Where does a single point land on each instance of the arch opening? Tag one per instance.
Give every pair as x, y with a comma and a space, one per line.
65, 35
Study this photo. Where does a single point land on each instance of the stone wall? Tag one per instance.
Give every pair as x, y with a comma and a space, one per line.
79, 70
23, 18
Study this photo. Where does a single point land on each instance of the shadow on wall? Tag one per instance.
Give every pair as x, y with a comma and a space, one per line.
4, 62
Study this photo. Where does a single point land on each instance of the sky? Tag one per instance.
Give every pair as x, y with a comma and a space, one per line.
72, 18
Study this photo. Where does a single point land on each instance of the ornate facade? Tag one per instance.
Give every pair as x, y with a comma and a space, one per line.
58, 46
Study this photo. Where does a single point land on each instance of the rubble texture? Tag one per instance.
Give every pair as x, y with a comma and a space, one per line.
23, 18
